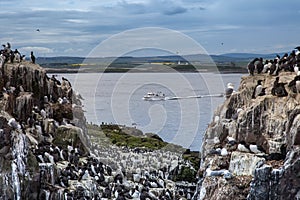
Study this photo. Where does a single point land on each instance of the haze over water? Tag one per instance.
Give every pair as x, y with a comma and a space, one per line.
117, 98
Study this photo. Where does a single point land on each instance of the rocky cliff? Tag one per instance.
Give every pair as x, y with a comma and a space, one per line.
46, 151
251, 148
38, 114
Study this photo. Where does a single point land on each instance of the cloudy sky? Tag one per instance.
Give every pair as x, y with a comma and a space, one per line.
75, 27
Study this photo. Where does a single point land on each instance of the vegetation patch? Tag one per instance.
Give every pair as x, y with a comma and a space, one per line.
113, 134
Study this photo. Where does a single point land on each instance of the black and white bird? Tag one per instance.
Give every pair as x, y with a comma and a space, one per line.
256, 149
259, 65
251, 66
229, 90
274, 68
294, 85
279, 89
267, 66
257, 90
14, 124
236, 115
231, 141
243, 147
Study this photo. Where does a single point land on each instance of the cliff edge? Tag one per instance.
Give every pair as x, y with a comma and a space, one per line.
47, 153
251, 148
40, 119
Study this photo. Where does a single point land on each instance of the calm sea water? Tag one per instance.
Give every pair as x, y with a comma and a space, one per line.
117, 98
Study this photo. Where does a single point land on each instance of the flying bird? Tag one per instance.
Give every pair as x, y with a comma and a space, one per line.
38, 30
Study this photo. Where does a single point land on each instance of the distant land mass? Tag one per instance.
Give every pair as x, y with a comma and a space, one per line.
226, 63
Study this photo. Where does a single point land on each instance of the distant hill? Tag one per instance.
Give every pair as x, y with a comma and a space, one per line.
230, 62
228, 57
250, 55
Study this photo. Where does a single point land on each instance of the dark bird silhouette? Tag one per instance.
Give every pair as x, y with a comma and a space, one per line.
38, 30
251, 66
273, 68
32, 57
259, 65
279, 89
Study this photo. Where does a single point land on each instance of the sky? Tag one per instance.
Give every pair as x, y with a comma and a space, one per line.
76, 27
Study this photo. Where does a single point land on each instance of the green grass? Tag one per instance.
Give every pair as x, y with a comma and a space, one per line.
112, 134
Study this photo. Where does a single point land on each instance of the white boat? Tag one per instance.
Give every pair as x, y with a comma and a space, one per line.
151, 96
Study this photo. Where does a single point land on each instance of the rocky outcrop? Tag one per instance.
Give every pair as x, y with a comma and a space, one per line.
243, 124
47, 153
36, 113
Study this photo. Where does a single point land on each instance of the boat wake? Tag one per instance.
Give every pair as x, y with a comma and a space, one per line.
193, 97
161, 97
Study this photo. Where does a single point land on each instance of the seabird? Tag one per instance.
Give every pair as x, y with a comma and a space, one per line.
236, 115
229, 90
296, 69
295, 84
267, 66
14, 124
278, 89
49, 157
32, 57
259, 65
46, 100
231, 140
274, 68
224, 152
257, 90
43, 114
251, 66
242, 147
255, 149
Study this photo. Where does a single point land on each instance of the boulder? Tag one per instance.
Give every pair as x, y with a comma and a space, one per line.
243, 163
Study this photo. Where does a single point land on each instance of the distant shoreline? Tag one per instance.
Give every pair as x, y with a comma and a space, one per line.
75, 71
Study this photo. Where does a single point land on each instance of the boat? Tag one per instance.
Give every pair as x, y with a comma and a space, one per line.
151, 96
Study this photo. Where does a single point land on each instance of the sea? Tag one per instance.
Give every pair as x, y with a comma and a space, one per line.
117, 98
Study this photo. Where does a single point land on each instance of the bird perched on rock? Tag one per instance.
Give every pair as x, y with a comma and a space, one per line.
257, 90
243, 147
14, 124
32, 57
278, 89
256, 149
259, 65
274, 68
267, 66
294, 85
231, 140
296, 69
236, 115
251, 66
229, 90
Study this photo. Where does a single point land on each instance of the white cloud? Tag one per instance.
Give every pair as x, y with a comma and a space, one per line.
36, 50
79, 21
81, 24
